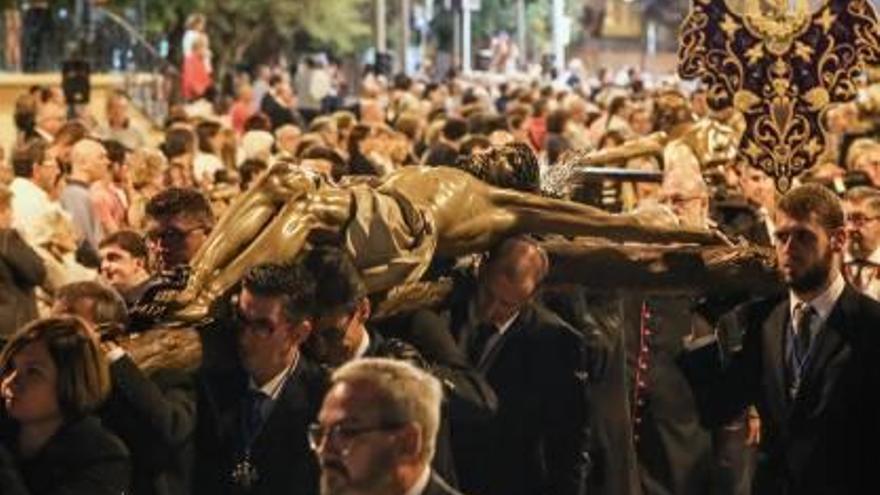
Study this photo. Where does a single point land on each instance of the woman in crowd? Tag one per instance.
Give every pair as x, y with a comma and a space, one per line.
54, 376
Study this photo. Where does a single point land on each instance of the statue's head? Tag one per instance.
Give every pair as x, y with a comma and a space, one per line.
510, 166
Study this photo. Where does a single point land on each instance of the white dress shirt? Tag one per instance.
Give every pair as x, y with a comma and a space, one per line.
822, 304
421, 483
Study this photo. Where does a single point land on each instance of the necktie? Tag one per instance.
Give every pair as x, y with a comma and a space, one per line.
804, 314
477, 347
254, 415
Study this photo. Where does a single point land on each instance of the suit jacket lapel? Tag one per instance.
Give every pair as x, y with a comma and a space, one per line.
773, 335
289, 408
512, 332
830, 343
226, 395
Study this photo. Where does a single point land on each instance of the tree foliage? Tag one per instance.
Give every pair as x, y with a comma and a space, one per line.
237, 25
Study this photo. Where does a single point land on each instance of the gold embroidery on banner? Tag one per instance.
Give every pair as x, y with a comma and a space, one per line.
781, 67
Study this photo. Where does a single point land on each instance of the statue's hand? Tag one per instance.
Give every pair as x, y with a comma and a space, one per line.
161, 298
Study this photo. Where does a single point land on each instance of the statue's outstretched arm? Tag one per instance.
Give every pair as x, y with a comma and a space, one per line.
540, 215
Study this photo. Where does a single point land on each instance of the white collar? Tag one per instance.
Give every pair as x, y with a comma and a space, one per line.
507, 324
31, 186
364, 345
272, 388
824, 302
874, 258
475, 320
421, 483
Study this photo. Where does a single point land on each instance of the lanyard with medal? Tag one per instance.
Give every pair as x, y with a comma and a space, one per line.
245, 473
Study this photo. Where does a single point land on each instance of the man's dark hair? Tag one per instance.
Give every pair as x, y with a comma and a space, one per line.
801, 201
556, 121
291, 282
469, 97
512, 166
116, 151
429, 88
72, 132
258, 122
25, 157
25, 113
109, 309
455, 129
178, 142
249, 170
206, 131
339, 285
129, 241
180, 201
402, 82
274, 80
618, 103
339, 166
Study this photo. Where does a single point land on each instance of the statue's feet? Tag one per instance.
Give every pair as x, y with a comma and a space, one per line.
193, 312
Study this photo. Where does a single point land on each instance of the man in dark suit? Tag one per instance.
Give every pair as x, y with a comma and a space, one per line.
808, 361
253, 420
376, 432
537, 443
342, 334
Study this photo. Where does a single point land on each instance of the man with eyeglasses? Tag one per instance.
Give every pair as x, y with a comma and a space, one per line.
178, 223
861, 259
376, 431
343, 334
36, 173
254, 415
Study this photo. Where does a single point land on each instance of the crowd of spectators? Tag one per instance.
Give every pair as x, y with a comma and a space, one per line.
509, 388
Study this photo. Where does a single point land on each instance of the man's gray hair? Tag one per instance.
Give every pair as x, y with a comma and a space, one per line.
406, 394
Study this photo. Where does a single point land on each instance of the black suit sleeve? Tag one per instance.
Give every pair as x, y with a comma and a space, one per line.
565, 411
725, 383
165, 403
24, 262
470, 396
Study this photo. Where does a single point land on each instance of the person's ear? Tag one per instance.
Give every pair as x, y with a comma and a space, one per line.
302, 331
409, 445
837, 239
364, 309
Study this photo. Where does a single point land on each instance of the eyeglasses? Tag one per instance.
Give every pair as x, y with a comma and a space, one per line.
343, 436
859, 219
172, 235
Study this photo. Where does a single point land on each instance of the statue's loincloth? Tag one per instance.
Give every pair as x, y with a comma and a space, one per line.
391, 240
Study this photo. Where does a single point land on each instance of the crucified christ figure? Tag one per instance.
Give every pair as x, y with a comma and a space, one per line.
395, 228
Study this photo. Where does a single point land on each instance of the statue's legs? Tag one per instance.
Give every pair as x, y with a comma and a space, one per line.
280, 241
245, 218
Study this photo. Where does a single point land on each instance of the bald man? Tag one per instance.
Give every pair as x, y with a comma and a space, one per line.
536, 364
89, 164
